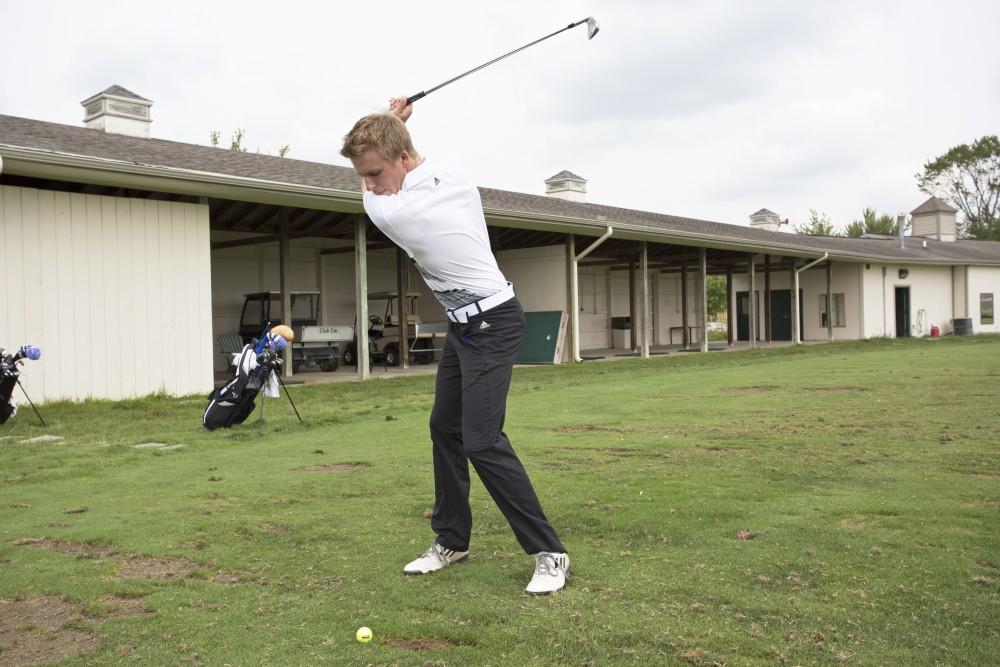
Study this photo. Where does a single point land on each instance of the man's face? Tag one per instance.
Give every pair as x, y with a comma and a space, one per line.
380, 175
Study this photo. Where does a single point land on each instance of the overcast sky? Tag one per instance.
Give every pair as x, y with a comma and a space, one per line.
709, 110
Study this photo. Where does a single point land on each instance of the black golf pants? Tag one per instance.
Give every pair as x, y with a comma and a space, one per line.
467, 425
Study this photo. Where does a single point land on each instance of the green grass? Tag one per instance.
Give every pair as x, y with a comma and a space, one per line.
869, 473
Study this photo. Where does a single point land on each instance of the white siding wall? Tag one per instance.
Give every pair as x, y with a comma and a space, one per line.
984, 279
109, 288
594, 318
846, 281
538, 274
958, 291
877, 309
931, 297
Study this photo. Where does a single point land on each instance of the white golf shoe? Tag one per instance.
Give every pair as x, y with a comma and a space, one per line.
551, 573
434, 559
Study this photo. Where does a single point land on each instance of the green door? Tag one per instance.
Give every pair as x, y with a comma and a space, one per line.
902, 312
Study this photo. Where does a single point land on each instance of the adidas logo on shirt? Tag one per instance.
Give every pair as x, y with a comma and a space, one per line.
484, 325
437, 181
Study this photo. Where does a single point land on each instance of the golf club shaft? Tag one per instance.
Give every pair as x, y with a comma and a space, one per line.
413, 98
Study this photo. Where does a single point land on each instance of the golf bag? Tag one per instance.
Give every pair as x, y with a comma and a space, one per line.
9, 376
233, 402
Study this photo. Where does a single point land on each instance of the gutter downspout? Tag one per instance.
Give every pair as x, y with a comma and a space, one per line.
885, 322
796, 338
574, 290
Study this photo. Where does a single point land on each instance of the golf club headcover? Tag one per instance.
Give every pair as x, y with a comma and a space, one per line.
31, 352
277, 342
284, 331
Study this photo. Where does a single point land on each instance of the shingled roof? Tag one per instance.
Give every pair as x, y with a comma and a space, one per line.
49, 140
563, 175
121, 92
934, 205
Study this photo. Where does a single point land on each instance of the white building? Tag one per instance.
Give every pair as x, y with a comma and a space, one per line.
125, 257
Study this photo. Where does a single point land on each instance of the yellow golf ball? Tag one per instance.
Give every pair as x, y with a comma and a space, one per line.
363, 635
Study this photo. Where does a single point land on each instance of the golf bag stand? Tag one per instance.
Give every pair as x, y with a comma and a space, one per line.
233, 402
10, 376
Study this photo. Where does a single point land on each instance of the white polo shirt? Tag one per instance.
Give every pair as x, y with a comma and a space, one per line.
437, 218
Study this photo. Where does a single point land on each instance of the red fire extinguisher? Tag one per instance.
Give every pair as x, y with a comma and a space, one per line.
935, 332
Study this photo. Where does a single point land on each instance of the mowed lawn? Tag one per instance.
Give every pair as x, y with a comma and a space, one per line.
825, 505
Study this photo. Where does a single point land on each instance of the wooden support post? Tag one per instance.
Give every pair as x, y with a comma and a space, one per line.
644, 309
730, 313
361, 297
753, 304
767, 298
632, 314
685, 334
703, 310
829, 301
401, 309
321, 272
796, 320
284, 281
573, 297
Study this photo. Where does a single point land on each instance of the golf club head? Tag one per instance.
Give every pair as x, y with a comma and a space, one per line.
592, 27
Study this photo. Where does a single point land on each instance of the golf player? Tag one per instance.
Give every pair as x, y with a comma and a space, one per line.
432, 211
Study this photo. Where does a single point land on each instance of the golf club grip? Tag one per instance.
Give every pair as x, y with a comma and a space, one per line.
413, 98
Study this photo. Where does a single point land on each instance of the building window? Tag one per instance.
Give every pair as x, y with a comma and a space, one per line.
986, 307
839, 312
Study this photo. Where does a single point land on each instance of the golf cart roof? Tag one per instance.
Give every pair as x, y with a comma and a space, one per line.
391, 295
278, 294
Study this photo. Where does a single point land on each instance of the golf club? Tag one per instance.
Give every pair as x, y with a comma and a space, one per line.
592, 29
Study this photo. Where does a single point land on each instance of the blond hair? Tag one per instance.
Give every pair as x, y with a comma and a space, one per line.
384, 133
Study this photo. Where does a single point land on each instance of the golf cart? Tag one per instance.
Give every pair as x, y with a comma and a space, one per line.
313, 344
384, 333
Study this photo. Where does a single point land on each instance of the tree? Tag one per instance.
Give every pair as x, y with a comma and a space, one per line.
236, 143
968, 176
715, 301
819, 225
872, 223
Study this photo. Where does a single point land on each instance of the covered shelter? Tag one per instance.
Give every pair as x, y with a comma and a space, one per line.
125, 254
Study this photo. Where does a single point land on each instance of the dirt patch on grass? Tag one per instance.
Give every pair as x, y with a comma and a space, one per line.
987, 474
588, 428
124, 605
333, 467
750, 389
627, 453
33, 631
149, 567
719, 450
984, 502
273, 528
130, 566
836, 389
619, 452
68, 548
421, 643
